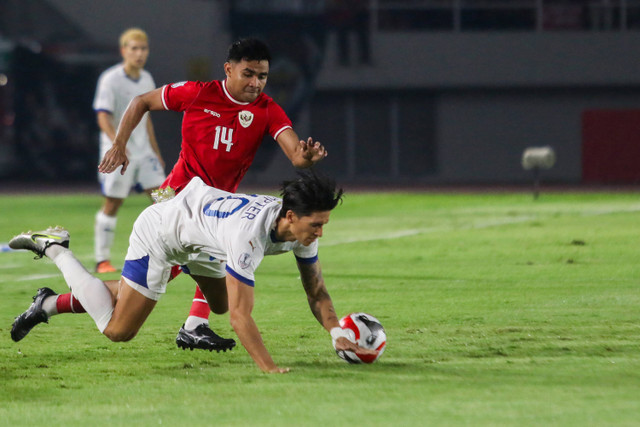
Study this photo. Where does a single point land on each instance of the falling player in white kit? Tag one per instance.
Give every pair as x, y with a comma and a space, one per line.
117, 86
219, 238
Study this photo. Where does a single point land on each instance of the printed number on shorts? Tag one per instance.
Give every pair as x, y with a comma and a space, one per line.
224, 135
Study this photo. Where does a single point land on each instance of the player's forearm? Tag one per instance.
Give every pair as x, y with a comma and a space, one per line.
317, 295
300, 162
325, 313
250, 337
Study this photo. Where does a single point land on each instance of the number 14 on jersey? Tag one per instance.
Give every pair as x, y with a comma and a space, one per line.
224, 135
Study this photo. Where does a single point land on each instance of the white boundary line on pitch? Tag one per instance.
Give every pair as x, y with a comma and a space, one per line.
479, 225
428, 230
36, 277
497, 222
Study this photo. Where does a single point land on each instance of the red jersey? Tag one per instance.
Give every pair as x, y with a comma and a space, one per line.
220, 135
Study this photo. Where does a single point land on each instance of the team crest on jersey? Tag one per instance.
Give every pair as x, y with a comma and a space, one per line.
245, 260
246, 117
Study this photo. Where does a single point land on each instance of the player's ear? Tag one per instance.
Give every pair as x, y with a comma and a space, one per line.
227, 68
291, 216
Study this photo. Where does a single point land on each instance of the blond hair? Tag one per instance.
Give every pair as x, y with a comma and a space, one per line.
133, 34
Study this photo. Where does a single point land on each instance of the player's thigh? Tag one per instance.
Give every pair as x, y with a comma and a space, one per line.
215, 291
129, 314
116, 185
146, 268
150, 173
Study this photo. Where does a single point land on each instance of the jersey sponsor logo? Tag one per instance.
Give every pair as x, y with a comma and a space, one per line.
245, 117
213, 113
175, 85
244, 260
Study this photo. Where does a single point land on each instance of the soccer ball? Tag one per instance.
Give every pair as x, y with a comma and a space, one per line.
369, 334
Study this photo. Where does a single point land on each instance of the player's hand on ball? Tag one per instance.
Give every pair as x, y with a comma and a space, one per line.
343, 344
312, 150
345, 340
113, 158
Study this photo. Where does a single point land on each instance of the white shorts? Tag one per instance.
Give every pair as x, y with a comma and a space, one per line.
142, 174
148, 264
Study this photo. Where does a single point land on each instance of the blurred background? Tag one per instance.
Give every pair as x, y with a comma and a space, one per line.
401, 92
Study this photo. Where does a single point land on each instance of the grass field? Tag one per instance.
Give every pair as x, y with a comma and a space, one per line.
500, 310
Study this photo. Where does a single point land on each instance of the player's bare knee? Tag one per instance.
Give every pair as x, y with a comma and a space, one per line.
121, 335
220, 308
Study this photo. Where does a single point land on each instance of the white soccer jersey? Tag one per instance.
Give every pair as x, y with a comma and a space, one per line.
114, 92
236, 228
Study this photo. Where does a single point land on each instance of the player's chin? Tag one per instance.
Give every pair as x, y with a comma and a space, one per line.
251, 96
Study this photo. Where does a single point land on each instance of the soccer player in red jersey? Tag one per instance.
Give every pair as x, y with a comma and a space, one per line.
223, 124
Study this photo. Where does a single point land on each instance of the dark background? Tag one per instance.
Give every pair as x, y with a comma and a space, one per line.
442, 92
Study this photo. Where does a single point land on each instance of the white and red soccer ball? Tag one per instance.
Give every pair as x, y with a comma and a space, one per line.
369, 334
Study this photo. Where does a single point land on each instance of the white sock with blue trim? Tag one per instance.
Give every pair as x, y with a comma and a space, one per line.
104, 235
92, 292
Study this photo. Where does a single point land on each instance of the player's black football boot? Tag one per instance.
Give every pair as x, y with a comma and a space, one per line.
204, 338
30, 318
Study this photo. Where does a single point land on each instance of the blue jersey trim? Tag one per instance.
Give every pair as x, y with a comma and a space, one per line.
307, 260
102, 110
239, 277
136, 270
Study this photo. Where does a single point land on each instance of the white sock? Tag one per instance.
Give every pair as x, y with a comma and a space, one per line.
104, 235
193, 322
49, 305
92, 293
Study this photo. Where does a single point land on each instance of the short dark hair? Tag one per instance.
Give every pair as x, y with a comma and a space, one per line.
249, 49
310, 192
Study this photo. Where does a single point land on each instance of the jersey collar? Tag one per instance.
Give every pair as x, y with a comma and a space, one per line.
272, 232
231, 98
124, 72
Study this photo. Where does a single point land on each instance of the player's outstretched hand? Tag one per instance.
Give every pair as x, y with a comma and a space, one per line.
312, 150
113, 158
343, 343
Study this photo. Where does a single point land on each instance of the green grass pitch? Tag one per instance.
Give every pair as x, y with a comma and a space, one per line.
499, 310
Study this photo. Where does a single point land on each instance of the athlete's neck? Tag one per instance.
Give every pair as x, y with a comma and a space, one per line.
131, 71
282, 232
